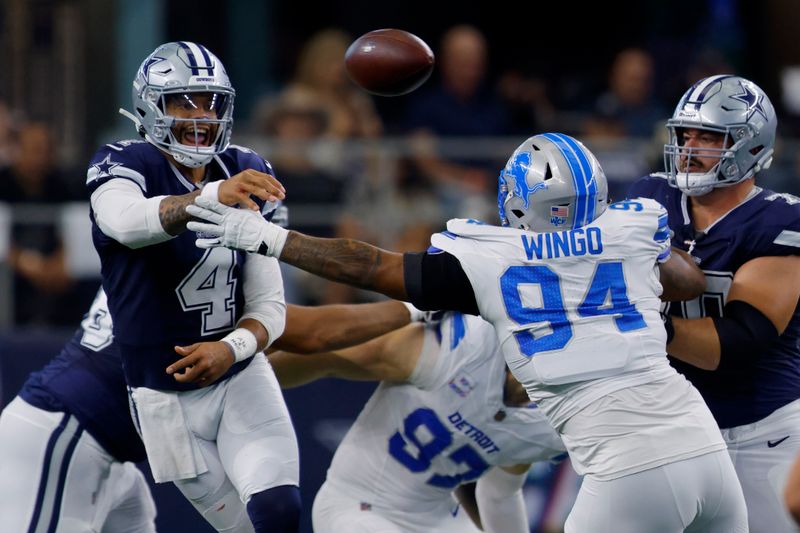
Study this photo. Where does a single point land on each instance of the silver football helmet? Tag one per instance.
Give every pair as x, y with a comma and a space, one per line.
178, 70
551, 182
734, 107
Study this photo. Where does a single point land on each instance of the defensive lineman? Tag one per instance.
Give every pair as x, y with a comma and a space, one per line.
446, 413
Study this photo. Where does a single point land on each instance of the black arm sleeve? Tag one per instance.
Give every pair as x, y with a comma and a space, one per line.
744, 334
436, 282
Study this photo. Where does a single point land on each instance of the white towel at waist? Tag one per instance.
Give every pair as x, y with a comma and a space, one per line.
172, 451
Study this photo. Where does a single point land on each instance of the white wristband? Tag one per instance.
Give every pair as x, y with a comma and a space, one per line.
242, 342
211, 190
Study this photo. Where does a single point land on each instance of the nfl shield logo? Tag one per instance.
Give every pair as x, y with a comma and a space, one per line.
559, 215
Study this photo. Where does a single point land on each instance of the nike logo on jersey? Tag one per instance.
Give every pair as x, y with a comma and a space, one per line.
773, 443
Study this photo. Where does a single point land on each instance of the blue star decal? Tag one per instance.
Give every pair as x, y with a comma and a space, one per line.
518, 169
149, 63
105, 167
752, 100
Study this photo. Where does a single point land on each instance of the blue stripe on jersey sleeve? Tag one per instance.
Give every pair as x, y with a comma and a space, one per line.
661, 235
458, 329
663, 232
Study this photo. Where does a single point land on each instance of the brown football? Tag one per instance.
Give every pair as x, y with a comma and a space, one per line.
389, 62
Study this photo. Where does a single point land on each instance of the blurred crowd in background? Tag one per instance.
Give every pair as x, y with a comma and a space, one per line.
386, 170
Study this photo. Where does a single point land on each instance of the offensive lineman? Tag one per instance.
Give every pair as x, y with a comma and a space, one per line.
572, 289
68, 445
738, 341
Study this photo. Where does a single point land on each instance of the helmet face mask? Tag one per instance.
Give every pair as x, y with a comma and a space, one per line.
188, 75
551, 182
738, 110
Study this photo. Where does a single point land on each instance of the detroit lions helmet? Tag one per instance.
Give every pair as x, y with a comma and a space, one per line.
734, 107
182, 68
551, 182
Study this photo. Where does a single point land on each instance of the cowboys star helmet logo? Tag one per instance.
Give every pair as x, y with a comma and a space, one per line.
148, 64
751, 99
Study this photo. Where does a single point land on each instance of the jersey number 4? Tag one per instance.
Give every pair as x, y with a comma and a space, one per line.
424, 437
209, 287
607, 295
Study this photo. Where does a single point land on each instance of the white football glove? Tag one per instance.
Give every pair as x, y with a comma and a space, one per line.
239, 229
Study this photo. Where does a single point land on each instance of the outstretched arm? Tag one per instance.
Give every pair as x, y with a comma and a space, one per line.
428, 283
391, 357
329, 327
348, 261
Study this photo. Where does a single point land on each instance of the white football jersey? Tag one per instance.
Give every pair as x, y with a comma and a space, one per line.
414, 442
577, 315
572, 307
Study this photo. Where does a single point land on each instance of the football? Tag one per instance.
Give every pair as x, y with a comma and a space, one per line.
389, 62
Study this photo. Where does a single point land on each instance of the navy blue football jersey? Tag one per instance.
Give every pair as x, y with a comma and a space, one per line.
86, 379
767, 224
172, 293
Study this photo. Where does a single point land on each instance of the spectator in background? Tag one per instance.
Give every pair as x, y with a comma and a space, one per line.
460, 105
627, 108
529, 105
41, 281
296, 124
398, 217
319, 108
6, 134
320, 75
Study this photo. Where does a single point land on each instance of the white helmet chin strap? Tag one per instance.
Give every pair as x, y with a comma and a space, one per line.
191, 160
696, 183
